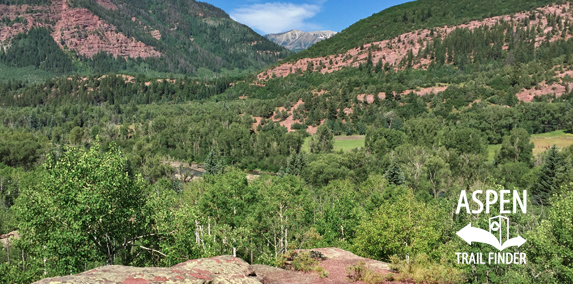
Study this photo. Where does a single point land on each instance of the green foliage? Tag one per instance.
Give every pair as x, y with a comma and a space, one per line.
515, 148
295, 165
394, 174
322, 141
88, 208
37, 48
421, 269
552, 244
195, 36
422, 131
561, 218
383, 139
20, 149
359, 272
227, 198
412, 16
214, 164
551, 172
404, 227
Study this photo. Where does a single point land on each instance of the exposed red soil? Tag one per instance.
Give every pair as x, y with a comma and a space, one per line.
288, 122
156, 34
544, 89
370, 98
561, 87
394, 50
76, 28
312, 129
426, 91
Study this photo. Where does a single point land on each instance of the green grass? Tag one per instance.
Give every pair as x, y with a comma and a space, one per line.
541, 141
554, 134
341, 143
491, 151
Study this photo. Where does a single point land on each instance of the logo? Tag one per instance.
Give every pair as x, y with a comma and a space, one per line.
498, 235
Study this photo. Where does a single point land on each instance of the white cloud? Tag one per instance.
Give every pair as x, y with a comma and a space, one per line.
277, 17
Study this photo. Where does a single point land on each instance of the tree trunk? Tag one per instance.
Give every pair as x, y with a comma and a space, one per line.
8, 248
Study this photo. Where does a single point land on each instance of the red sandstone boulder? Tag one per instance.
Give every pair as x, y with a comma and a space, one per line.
226, 269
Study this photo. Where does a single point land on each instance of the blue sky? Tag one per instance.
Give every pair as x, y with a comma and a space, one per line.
270, 16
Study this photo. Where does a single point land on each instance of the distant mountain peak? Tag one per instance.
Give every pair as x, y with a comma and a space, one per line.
296, 40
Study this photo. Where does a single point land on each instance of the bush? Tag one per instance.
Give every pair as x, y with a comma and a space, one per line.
304, 261
422, 270
407, 226
359, 272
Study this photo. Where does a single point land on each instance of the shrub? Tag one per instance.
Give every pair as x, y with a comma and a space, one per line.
359, 272
422, 270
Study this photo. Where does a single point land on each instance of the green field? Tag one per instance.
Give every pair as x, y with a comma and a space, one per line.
541, 141
546, 140
491, 151
344, 143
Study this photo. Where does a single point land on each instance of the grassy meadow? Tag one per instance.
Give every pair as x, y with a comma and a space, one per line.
542, 142
344, 143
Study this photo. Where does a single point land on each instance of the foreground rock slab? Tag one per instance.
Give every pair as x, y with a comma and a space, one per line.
220, 270
224, 270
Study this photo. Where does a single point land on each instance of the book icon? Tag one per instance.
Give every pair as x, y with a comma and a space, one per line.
499, 227
498, 235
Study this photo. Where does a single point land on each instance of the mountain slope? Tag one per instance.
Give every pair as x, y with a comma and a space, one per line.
167, 36
411, 16
498, 36
299, 40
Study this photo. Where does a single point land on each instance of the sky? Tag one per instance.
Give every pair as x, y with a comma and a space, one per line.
276, 16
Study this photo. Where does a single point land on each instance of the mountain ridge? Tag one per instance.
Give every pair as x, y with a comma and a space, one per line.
296, 40
182, 37
409, 46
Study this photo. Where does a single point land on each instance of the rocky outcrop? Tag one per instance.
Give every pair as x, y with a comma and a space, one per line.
6, 238
225, 269
220, 269
298, 40
78, 29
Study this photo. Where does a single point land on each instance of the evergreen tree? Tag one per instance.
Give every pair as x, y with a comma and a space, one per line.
295, 165
322, 141
378, 67
551, 171
213, 164
394, 174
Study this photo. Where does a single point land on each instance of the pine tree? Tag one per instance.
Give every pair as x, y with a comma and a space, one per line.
378, 67
295, 165
394, 174
322, 141
551, 171
213, 164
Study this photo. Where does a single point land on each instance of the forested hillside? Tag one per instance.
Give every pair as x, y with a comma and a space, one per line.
424, 14
181, 37
146, 171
